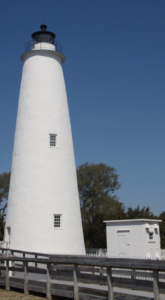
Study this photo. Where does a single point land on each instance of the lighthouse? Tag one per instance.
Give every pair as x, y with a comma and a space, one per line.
43, 207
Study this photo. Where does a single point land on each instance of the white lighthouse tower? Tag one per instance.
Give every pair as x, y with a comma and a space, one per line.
43, 207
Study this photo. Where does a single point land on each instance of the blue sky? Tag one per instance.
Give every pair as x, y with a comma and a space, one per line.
115, 75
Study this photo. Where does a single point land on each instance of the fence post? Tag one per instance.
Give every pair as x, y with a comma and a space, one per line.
133, 276
75, 280
26, 291
23, 254
109, 283
7, 276
48, 285
101, 274
156, 284
36, 262
13, 263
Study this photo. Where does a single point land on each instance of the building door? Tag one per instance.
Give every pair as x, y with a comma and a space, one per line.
123, 245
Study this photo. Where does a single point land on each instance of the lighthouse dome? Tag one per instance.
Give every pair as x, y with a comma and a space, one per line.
43, 39
43, 36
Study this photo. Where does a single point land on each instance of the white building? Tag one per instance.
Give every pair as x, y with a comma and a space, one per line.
43, 207
138, 237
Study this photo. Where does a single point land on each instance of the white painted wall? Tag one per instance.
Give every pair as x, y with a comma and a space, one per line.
131, 237
43, 179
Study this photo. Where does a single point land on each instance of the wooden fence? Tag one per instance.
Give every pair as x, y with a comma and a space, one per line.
82, 277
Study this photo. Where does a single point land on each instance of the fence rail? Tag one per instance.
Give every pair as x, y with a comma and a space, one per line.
82, 277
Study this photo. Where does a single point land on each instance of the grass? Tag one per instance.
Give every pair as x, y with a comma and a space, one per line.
19, 295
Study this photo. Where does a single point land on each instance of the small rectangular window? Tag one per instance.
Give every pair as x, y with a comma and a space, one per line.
53, 140
151, 235
57, 221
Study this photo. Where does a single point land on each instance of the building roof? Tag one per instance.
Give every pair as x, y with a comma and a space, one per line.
133, 220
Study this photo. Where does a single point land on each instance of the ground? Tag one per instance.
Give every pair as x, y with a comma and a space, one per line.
12, 295
15, 295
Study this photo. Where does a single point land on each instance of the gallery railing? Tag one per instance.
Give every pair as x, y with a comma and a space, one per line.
31, 45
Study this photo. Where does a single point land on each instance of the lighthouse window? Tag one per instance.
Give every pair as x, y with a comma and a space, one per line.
53, 140
57, 221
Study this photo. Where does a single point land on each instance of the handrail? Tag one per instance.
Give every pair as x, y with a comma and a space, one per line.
139, 264
82, 263
30, 45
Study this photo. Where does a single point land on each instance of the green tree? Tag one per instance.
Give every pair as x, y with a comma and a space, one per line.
162, 229
4, 191
137, 213
97, 184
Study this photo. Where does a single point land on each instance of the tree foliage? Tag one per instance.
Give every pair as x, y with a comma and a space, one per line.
4, 191
162, 229
137, 213
97, 184
4, 186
